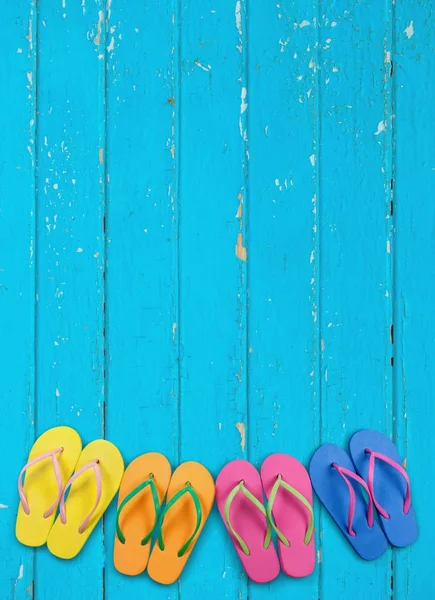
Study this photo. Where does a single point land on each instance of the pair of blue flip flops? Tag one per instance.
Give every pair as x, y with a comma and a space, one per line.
374, 466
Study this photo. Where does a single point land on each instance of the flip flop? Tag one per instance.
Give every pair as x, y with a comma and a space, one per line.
142, 491
100, 466
288, 489
339, 489
378, 462
44, 483
239, 497
189, 501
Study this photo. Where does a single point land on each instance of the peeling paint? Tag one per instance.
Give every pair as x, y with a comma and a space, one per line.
409, 31
241, 250
381, 127
241, 429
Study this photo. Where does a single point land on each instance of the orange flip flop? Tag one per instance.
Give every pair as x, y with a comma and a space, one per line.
189, 502
141, 494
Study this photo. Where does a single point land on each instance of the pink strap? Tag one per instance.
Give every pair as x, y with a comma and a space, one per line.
53, 455
371, 479
345, 473
94, 465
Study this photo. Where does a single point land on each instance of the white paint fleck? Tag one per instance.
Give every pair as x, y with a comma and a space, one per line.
20, 572
79, 250
19, 50
111, 46
388, 246
313, 159
334, 24
409, 31
304, 23
381, 127
4, 506
57, 393
201, 66
243, 104
387, 58
55, 186
238, 14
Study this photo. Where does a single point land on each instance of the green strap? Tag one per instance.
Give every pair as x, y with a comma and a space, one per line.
240, 487
186, 490
280, 483
129, 497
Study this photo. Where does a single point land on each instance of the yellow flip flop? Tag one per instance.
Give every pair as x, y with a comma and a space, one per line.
44, 483
91, 489
142, 491
189, 502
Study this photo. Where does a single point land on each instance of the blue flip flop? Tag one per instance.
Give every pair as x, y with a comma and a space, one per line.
378, 462
339, 489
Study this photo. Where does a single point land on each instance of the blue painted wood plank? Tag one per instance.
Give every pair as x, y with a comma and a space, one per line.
211, 155
355, 274
17, 282
414, 329
282, 243
70, 252
142, 261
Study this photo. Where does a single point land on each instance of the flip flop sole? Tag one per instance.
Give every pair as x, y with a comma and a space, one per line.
389, 485
165, 566
138, 516
262, 565
40, 486
290, 515
64, 540
369, 542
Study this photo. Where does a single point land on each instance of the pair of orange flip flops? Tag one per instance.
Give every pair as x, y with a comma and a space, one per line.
189, 493
66, 490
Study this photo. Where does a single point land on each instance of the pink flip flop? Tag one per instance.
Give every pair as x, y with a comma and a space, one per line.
239, 496
288, 489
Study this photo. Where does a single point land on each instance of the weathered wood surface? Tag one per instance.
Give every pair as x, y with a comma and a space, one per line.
216, 240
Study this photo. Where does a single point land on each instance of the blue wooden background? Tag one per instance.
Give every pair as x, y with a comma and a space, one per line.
216, 241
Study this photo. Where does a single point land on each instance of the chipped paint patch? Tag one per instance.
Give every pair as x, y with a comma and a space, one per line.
313, 159
203, 67
409, 31
241, 429
243, 104
381, 127
97, 38
3, 506
239, 214
100, 155
238, 14
241, 250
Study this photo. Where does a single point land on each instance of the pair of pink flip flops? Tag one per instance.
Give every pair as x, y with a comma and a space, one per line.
240, 491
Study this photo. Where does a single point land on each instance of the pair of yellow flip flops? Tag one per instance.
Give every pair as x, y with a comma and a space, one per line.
57, 465
189, 493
